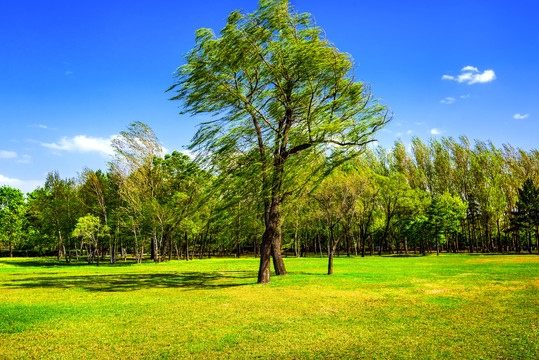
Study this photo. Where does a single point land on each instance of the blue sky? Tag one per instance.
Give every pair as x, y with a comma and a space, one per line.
75, 73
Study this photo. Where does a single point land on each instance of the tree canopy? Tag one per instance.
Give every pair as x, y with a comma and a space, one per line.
278, 92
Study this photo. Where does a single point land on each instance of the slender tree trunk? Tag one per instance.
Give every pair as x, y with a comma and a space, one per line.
406, 246
470, 237
177, 251
500, 248
186, 247
60, 243
362, 240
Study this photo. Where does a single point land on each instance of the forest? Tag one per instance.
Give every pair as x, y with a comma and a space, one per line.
445, 195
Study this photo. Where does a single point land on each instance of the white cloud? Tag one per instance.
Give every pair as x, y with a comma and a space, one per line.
409, 132
520, 117
189, 153
435, 132
83, 143
485, 77
25, 159
4, 154
448, 100
471, 75
464, 96
25, 186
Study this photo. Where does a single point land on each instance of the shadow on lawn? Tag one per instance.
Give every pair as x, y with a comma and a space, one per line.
133, 282
48, 263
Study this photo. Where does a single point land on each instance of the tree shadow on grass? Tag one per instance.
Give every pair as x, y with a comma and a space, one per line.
504, 254
134, 282
50, 263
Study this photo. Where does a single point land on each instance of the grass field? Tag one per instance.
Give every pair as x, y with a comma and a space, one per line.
452, 306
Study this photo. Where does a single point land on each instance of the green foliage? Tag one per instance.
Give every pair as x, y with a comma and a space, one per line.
12, 216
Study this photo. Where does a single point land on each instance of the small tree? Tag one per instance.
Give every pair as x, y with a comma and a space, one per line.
444, 216
89, 228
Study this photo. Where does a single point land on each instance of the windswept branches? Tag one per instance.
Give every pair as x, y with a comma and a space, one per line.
276, 89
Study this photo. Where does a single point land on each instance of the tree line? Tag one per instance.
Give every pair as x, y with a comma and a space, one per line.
444, 195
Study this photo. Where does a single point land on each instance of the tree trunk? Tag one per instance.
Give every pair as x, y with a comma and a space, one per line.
177, 251
331, 253
406, 246
362, 241
268, 240
186, 247
500, 248
59, 245
278, 263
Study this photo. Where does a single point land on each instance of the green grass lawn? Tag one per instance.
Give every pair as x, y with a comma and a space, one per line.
451, 306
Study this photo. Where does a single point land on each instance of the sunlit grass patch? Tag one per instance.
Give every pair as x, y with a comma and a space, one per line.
452, 306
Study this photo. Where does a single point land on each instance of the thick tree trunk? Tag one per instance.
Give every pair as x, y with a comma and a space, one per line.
330, 261
268, 239
278, 263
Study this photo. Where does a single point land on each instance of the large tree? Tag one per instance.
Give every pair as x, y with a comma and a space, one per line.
279, 92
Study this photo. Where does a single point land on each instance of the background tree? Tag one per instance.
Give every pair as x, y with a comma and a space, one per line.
12, 217
526, 215
134, 170
90, 228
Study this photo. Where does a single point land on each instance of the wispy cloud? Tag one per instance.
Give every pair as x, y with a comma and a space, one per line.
464, 96
409, 132
23, 185
4, 154
472, 75
448, 100
435, 132
25, 159
83, 143
520, 117
40, 126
